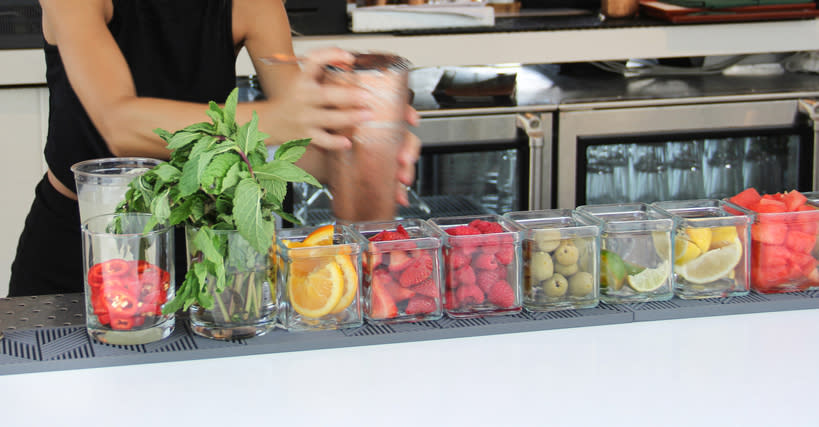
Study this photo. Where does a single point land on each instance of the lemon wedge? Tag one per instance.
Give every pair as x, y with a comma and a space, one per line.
712, 265
723, 236
701, 236
649, 279
685, 251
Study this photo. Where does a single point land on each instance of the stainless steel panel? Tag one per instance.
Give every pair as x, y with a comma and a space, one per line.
658, 120
467, 130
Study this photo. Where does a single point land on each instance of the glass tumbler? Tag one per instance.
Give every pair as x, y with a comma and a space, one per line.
363, 179
101, 183
129, 275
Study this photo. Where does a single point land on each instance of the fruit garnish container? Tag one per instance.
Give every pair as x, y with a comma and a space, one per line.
711, 249
560, 259
482, 265
783, 247
402, 271
318, 278
635, 263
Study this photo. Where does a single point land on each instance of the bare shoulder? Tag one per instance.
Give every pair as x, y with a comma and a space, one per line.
72, 14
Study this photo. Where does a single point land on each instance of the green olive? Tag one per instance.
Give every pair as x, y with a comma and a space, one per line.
566, 253
566, 270
556, 286
541, 266
547, 240
581, 284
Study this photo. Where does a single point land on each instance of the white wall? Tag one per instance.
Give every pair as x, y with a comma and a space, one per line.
23, 118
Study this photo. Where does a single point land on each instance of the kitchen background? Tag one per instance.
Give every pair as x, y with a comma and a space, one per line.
550, 103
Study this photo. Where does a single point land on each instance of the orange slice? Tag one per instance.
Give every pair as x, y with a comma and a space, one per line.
317, 293
321, 236
350, 283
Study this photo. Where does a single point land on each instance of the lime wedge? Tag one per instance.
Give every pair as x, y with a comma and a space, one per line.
649, 279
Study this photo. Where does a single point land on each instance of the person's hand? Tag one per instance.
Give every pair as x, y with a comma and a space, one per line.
407, 157
308, 108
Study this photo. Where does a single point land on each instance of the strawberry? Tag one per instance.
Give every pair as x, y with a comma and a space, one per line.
398, 292
382, 305
469, 295
502, 294
464, 276
419, 269
457, 259
428, 288
485, 279
399, 260
420, 304
485, 262
506, 254
462, 230
402, 231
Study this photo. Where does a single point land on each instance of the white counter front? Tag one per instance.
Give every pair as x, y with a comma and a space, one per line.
742, 370
531, 47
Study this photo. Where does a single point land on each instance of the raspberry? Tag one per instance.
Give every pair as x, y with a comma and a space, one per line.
420, 304
506, 254
502, 295
464, 276
486, 227
469, 295
457, 259
428, 288
419, 269
486, 279
462, 230
485, 262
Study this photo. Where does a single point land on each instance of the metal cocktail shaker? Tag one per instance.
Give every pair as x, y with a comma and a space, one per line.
363, 180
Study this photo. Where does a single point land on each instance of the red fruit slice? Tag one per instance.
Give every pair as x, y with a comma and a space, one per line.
793, 200
463, 230
773, 233
399, 260
798, 241
417, 271
769, 206
402, 231
763, 255
421, 305
427, 288
398, 292
746, 198
382, 305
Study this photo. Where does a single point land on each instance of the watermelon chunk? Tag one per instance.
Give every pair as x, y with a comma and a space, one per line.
765, 255
793, 200
798, 241
746, 197
773, 233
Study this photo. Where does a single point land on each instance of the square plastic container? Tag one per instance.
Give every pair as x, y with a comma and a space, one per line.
402, 271
783, 248
482, 261
561, 252
711, 249
319, 285
635, 263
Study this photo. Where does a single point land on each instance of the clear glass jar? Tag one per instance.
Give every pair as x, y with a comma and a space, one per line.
710, 251
102, 183
482, 259
634, 267
403, 271
319, 284
560, 260
129, 276
243, 300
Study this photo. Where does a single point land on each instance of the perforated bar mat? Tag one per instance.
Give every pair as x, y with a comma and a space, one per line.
47, 333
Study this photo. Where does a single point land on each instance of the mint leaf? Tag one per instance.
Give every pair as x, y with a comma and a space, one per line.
248, 215
181, 139
292, 151
285, 171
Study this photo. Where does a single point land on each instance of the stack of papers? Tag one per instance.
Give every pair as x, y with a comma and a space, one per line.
413, 17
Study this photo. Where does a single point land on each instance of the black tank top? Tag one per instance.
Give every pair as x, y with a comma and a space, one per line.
176, 49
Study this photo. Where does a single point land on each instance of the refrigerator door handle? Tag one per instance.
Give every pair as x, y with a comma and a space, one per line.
533, 125
811, 108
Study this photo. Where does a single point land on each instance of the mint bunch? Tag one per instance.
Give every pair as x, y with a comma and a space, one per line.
218, 178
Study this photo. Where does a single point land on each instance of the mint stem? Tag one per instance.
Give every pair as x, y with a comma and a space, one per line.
247, 162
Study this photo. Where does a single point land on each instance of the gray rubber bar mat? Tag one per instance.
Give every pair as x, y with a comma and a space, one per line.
53, 337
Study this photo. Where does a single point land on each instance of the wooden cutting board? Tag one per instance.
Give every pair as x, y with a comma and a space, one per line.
680, 14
